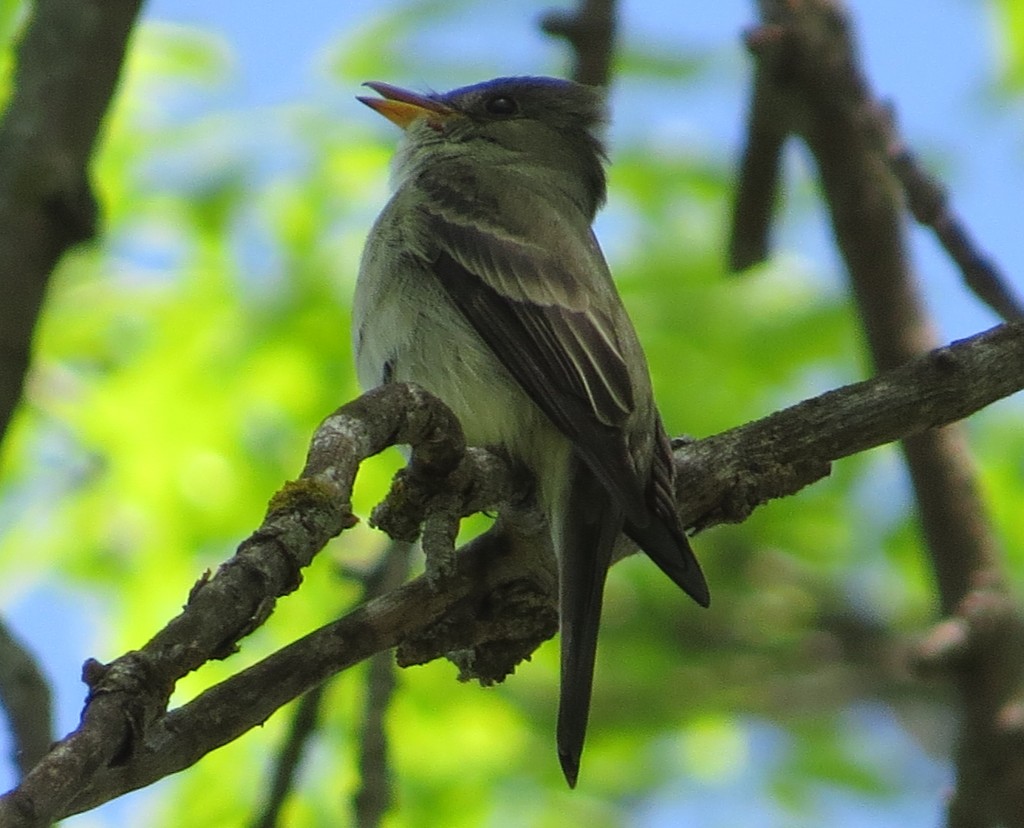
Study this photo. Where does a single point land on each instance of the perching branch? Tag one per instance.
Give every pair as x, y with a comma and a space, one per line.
127, 740
128, 695
724, 477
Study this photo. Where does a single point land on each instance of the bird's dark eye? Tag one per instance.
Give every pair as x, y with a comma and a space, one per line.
501, 105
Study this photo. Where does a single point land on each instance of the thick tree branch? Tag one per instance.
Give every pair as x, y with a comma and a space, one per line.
495, 608
68, 63
129, 694
487, 567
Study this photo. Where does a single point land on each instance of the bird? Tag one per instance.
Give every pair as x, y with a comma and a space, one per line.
482, 281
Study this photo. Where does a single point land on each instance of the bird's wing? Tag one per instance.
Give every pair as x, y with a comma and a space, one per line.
542, 301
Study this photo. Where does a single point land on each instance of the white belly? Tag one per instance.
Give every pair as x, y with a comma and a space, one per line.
410, 332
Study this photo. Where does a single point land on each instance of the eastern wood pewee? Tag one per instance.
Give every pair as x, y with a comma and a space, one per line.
482, 281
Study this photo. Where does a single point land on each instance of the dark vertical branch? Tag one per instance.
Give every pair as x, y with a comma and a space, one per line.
68, 64
25, 695
809, 80
374, 797
590, 31
303, 726
758, 183
835, 118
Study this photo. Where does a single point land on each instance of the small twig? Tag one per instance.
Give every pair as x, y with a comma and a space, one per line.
929, 203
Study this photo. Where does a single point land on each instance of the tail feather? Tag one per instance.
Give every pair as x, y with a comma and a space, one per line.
668, 547
587, 528
659, 532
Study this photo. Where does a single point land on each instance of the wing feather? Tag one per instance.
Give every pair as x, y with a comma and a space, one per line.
545, 305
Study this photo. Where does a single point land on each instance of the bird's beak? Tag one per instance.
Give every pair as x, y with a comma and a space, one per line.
402, 107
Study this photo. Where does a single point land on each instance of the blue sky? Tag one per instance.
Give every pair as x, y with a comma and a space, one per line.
933, 58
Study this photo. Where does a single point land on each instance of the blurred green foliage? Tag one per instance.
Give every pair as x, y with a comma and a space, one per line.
11, 14
1008, 29
185, 358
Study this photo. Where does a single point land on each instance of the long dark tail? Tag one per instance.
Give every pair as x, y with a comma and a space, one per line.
589, 524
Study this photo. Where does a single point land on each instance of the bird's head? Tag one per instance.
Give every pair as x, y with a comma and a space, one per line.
545, 124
